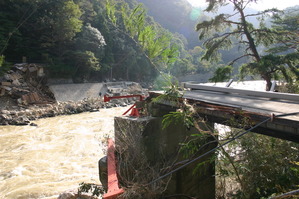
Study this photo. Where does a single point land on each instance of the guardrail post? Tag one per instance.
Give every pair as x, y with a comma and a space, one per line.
229, 83
273, 86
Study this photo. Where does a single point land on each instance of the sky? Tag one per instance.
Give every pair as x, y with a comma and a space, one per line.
261, 5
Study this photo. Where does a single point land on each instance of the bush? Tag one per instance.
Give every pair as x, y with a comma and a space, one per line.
266, 166
4, 66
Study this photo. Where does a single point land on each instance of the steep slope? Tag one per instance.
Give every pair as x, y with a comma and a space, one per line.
176, 16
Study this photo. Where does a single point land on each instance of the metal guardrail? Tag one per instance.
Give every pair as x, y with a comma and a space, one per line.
264, 94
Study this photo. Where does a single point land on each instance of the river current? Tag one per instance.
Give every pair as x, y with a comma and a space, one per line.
56, 155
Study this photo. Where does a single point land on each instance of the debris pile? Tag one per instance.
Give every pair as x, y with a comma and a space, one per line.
25, 84
124, 89
23, 116
25, 96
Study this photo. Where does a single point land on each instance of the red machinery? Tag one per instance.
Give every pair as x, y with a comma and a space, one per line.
113, 189
113, 185
134, 112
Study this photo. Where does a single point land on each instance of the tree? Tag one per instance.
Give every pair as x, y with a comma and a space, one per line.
14, 16
267, 166
84, 63
222, 74
287, 46
224, 29
37, 28
182, 67
60, 22
89, 9
283, 58
288, 26
154, 43
90, 39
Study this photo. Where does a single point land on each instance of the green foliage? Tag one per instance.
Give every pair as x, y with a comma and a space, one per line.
274, 66
177, 16
94, 189
134, 20
91, 38
290, 88
70, 16
60, 23
51, 31
177, 118
4, 67
155, 43
257, 166
182, 67
270, 164
110, 9
170, 54
39, 30
88, 60
191, 147
81, 65
1, 60
214, 25
60, 69
84, 62
89, 10
164, 82
288, 28
222, 74
223, 30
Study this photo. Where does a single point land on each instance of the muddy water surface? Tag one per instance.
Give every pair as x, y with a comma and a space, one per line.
58, 154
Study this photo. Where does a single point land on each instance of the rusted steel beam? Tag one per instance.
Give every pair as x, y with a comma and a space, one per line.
278, 127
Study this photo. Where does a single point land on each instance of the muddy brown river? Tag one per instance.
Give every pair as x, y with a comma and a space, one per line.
61, 152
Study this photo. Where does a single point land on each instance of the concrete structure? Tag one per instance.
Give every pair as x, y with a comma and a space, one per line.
147, 150
219, 104
77, 92
160, 148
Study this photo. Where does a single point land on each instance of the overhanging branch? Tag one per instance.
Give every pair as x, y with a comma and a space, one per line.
263, 12
246, 55
224, 35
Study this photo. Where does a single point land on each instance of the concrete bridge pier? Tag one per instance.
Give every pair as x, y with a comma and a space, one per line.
143, 142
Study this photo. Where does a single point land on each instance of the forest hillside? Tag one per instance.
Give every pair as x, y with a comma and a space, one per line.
91, 41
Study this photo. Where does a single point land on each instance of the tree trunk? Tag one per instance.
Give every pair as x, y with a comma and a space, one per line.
268, 82
247, 33
252, 45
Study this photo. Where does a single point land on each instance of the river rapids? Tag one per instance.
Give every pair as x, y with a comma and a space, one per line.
56, 155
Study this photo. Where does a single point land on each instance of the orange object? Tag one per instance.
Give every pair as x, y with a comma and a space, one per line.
134, 112
113, 189
129, 109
